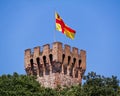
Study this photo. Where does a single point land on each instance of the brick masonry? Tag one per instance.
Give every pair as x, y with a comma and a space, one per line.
57, 65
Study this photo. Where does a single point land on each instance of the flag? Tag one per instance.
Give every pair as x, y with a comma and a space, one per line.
65, 29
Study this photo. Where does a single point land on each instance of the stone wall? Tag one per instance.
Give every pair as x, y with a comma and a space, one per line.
57, 65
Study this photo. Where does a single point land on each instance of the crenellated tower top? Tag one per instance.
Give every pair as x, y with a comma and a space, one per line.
55, 66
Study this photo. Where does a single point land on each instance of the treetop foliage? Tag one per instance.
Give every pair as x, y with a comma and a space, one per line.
94, 85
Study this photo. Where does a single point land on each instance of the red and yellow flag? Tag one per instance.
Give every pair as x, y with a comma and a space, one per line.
61, 26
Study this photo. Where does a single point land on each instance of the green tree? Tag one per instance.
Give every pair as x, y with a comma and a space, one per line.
22, 85
18, 85
97, 85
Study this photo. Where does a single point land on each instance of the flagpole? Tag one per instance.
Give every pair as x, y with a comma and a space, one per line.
55, 27
54, 36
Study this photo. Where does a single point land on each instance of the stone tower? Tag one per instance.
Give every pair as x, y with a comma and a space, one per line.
57, 65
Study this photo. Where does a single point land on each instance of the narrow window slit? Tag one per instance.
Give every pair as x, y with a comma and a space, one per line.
46, 65
69, 58
31, 63
79, 63
51, 58
63, 57
44, 60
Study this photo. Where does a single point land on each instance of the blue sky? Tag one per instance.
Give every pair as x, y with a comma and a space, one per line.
29, 23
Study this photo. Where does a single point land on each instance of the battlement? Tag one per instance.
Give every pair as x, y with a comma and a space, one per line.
54, 66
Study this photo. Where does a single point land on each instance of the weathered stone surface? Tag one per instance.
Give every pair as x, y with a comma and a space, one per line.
56, 66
